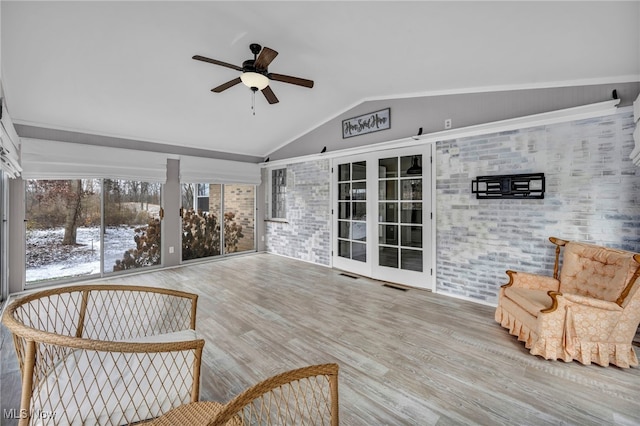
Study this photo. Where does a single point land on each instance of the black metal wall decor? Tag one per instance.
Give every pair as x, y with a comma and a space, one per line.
528, 185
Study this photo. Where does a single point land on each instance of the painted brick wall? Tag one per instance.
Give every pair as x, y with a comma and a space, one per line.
592, 195
306, 233
240, 200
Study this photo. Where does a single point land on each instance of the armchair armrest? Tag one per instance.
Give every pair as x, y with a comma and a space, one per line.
531, 281
592, 302
576, 299
559, 243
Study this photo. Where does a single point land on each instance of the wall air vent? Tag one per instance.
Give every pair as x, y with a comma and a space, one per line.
530, 185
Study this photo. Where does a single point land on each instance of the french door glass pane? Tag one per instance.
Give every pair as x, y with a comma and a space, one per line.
359, 211
344, 191
359, 191
388, 212
388, 167
388, 189
359, 252
388, 234
412, 189
388, 256
344, 172
411, 165
344, 210
344, 249
411, 260
62, 229
344, 228
359, 231
411, 236
411, 212
132, 227
359, 171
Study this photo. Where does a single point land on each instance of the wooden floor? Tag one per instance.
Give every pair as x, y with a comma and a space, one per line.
406, 358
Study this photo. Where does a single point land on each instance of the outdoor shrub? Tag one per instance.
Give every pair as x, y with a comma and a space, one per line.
147, 251
201, 234
232, 233
200, 238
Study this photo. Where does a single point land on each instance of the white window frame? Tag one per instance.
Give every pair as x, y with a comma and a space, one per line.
272, 196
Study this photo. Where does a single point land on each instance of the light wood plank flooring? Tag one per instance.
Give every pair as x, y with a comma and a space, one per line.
406, 358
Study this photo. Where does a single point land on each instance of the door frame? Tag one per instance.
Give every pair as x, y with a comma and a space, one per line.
426, 278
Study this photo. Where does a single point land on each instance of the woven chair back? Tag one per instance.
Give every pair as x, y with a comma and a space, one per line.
305, 396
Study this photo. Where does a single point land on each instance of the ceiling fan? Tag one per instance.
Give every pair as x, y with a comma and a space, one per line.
255, 73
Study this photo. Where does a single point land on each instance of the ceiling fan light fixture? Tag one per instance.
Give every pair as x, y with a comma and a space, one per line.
254, 79
415, 168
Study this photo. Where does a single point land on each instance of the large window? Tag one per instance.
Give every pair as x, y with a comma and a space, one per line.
200, 220
132, 228
205, 207
63, 229
239, 218
83, 227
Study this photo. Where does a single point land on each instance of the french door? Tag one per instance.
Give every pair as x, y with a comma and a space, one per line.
351, 247
382, 215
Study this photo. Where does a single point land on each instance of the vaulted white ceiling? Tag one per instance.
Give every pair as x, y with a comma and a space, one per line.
124, 68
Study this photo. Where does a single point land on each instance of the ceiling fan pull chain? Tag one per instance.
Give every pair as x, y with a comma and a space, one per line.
253, 101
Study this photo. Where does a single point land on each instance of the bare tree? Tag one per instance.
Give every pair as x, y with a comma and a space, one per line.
188, 190
73, 198
144, 195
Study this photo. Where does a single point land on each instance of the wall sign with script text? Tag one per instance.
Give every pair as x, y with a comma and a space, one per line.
367, 123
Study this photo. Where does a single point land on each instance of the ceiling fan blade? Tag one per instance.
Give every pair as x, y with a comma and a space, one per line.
264, 59
271, 97
226, 85
292, 80
216, 62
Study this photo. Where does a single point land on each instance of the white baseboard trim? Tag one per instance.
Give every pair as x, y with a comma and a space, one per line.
295, 258
467, 298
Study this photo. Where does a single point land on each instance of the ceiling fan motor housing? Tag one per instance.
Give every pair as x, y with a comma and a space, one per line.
249, 66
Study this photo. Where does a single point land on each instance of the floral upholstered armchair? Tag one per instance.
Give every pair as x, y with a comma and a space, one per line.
589, 312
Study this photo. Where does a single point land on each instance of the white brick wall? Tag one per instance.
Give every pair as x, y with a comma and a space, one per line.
592, 195
306, 233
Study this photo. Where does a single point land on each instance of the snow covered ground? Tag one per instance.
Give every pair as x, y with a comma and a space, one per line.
47, 258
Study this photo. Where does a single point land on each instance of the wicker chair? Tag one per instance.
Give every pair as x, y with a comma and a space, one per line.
305, 396
105, 354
